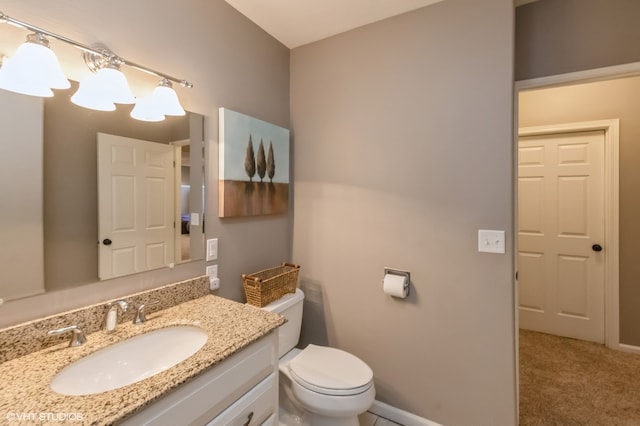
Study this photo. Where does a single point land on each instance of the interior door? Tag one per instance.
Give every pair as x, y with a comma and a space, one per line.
136, 193
560, 234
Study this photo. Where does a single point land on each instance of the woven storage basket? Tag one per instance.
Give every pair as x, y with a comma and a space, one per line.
263, 287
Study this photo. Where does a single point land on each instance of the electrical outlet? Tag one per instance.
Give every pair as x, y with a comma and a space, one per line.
212, 249
212, 273
491, 241
214, 283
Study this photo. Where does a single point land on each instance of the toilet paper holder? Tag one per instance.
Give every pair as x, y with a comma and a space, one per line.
406, 274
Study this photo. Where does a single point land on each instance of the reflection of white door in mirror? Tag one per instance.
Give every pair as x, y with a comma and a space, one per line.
136, 208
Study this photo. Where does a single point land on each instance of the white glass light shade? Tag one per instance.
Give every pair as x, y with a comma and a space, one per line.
34, 70
146, 109
167, 101
116, 83
93, 95
102, 90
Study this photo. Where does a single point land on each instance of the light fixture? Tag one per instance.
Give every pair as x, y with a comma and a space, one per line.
107, 87
166, 99
34, 69
92, 95
147, 110
163, 101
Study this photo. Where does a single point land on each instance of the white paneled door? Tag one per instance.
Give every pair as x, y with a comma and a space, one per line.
136, 190
561, 234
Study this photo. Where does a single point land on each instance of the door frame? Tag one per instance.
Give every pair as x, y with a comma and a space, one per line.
611, 130
612, 329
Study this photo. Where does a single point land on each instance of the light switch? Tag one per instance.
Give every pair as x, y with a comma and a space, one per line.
491, 241
212, 249
194, 219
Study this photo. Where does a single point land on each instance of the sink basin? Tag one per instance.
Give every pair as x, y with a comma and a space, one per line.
129, 361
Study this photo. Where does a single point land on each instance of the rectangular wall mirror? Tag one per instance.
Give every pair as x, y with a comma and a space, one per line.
63, 225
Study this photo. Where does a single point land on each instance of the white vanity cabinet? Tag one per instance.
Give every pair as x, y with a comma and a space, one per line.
240, 390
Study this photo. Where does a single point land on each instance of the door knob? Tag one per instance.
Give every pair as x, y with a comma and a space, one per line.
106, 242
596, 247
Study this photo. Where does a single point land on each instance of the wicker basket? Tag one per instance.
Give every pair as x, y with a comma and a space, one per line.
263, 287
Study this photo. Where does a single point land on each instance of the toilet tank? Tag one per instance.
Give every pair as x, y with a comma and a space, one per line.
291, 307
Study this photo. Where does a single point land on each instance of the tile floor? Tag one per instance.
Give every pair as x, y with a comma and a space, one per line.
370, 419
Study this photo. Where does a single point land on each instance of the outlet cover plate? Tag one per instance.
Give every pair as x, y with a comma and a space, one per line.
212, 273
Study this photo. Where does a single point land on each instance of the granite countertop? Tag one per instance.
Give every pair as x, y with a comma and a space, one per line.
26, 398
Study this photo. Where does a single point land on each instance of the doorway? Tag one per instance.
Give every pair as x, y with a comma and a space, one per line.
559, 110
565, 235
561, 103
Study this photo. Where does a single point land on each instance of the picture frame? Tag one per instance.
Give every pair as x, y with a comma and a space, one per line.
253, 166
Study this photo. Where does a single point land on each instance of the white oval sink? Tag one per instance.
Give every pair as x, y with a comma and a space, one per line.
129, 361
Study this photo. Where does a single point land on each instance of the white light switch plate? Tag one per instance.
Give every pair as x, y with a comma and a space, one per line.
195, 219
491, 241
212, 249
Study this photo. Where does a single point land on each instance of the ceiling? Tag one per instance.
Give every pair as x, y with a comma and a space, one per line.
298, 22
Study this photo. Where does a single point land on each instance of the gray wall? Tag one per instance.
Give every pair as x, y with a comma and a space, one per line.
561, 36
403, 149
596, 101
232, 62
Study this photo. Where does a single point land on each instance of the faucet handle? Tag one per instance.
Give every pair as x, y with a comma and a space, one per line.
141, 316
77, 337
122, 304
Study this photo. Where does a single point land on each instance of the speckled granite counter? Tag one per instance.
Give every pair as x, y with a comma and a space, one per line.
26, 398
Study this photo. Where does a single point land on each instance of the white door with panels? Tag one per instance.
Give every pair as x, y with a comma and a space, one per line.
561, 224
136, 199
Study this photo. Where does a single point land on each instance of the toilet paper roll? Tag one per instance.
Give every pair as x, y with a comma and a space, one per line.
395, 285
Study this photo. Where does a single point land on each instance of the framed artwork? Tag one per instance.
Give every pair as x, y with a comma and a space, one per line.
253, 166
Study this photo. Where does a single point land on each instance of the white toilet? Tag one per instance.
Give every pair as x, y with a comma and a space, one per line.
318, 385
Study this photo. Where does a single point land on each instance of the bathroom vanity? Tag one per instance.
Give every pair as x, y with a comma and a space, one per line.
241, 390
232, 379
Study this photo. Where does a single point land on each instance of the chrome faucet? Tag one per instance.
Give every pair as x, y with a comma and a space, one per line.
111, 316
141, 316
77, 336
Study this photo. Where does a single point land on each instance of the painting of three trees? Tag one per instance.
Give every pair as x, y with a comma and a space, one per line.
253, 166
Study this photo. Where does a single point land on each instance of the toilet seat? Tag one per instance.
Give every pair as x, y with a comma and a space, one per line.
330, 371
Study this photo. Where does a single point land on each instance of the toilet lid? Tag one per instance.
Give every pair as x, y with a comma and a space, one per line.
330, 371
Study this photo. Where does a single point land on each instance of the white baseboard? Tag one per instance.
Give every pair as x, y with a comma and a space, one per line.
629, 348
400, 416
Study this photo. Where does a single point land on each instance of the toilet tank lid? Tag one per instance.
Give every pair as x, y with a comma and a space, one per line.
285, 302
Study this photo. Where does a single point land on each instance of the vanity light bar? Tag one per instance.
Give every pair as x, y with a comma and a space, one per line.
6, 19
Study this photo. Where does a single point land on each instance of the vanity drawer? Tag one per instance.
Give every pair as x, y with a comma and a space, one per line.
254, 407
206, 396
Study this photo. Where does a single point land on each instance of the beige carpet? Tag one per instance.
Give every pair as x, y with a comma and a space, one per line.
572, 382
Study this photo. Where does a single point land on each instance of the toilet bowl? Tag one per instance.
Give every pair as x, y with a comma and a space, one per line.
319, 385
